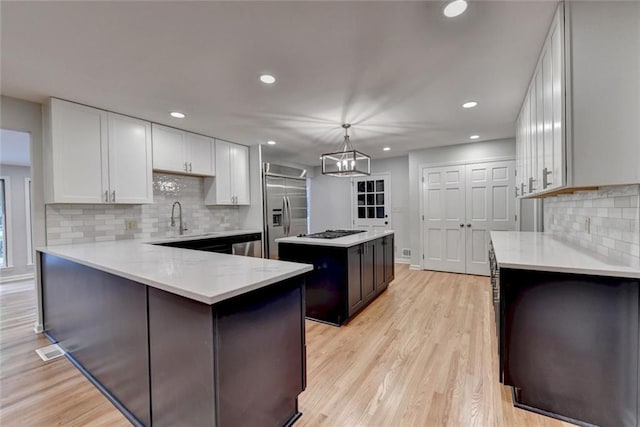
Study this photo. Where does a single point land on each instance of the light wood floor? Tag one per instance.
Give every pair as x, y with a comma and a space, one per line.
423, 354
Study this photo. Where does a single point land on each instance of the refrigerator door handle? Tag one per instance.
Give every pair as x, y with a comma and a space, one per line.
285, 217
288, 216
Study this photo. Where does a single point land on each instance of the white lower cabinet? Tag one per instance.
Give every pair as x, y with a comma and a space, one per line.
461, 204
182, 152
93, 156
231, 183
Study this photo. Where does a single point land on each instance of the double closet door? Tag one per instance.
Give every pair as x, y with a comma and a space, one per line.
461, 204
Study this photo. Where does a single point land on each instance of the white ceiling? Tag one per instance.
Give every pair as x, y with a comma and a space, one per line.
398, 71
15, 148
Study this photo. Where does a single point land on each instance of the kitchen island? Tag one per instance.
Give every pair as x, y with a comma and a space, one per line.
180, 337
568, 329
348, 272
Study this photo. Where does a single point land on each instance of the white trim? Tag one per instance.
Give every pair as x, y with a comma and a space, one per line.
402, 260
7, 232
16, 278
29, 212
38, 328
467, 162
415, 267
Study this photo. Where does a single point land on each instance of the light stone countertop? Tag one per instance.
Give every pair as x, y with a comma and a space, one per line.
543, 252
200, 236
207, 277
341, 242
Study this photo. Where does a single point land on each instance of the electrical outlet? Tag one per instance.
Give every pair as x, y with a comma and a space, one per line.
131, 224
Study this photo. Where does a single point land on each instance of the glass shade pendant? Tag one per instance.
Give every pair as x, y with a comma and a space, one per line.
346, 163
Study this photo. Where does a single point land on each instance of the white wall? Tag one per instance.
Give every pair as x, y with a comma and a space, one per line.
25, 116
469, 152
330, 200
17, 223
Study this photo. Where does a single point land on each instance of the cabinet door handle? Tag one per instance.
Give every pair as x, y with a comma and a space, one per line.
522, 188
516, 191
461, 225
190, 167
106, 196
185, 167
468, 225
113, 196
545, 177
531, 187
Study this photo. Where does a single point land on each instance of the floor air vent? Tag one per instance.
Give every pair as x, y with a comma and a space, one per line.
50, 352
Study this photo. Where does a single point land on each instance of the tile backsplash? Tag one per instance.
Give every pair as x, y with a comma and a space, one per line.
606, 221
68, 223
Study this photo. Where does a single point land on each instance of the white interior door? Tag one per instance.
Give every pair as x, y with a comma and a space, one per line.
371, 198
444, 218
490, 205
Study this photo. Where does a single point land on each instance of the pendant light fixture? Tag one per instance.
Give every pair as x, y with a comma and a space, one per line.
346, 163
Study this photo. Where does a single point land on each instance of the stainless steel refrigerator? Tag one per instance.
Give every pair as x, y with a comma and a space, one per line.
285, 204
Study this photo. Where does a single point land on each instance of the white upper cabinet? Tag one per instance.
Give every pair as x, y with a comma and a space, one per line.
177, 151
92, 156
130, 174
578, 126
231, 183
201, 154
169, 149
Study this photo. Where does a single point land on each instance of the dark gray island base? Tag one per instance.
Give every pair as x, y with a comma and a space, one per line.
568, 345
168, 360
344, 280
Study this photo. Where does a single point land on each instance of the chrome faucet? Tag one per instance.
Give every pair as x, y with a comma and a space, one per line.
183, 226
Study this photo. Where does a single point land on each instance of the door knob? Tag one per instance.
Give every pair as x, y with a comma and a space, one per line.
461, 225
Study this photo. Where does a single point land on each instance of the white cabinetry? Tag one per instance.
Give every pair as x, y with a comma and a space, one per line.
231, 184
93, 156
539, 137
578, 125
175, 150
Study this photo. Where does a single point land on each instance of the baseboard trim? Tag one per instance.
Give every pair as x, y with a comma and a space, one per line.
400, 260
414, 267
16, 278
38, 328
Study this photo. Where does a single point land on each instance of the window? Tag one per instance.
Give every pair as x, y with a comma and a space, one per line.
4, 188
370, 194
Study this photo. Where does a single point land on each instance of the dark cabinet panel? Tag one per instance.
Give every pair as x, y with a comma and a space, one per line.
389, 265
379, 263
571, 344
101, 321
368, 270
344, 280
355, 279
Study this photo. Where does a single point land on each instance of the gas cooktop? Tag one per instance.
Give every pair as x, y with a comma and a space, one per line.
333, 234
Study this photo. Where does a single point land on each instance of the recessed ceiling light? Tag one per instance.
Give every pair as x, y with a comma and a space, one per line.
386, 148
177, 114
455, 8
267, 79
474, 137
469, 104
271, 142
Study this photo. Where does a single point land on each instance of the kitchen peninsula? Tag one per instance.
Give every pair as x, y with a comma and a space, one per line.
178, 336
568, 329
349, 272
